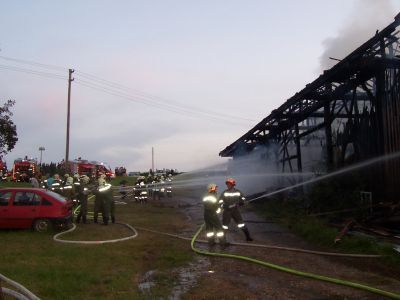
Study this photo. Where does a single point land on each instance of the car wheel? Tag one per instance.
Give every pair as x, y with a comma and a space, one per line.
41, 225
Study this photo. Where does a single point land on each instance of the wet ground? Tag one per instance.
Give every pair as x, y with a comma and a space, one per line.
226, 278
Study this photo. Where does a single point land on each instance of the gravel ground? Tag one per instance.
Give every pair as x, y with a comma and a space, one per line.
226, 278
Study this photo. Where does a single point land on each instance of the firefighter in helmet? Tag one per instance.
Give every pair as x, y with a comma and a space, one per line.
68, 187
105, 194
99, 199
230, 200
211, 210
83, 192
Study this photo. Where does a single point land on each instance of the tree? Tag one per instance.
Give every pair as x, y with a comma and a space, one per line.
8, 130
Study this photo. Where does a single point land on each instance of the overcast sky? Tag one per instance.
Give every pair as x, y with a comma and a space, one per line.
185, 77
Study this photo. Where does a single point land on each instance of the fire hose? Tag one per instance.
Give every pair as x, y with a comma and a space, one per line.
293, 271
227, 255
23, 294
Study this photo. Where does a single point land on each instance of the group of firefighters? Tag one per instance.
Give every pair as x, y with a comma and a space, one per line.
78, 188
228, 203
147, 187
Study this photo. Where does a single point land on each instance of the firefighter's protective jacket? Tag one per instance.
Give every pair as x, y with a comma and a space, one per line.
231, 198
210, 201
211, 209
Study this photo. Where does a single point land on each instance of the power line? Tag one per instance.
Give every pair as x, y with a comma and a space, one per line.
156, 105
32, 63
33, 72
116, 89
153, 97
144, 100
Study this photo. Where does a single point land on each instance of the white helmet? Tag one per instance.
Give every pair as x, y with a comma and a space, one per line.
212, 187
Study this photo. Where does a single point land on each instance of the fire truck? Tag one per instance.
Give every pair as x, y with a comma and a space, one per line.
103, 168
24, 169
3, 170
82, 167
89, 168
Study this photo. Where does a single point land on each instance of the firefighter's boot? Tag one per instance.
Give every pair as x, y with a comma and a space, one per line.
113, 220
247, 234
84, 220
78, 219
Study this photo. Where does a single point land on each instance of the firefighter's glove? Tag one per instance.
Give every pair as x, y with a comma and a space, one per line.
225, 206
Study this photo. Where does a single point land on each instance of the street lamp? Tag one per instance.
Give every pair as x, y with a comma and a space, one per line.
41, 149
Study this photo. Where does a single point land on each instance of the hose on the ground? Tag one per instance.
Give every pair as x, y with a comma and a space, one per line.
293, 271
270, 246
56, 237
23, 293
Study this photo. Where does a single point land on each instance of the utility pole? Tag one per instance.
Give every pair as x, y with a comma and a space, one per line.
41, 149
70, 79
152, 159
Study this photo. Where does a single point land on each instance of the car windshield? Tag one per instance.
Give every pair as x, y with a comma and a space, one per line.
56, 196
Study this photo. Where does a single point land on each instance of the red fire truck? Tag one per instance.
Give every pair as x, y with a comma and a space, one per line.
103, 168
24, 169
89, 168
82, 167
3, 170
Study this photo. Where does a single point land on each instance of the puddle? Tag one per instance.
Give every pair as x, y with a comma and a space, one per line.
186, 278
147, 282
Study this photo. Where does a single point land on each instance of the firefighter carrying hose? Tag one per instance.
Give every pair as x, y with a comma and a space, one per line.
230, 200
211, 210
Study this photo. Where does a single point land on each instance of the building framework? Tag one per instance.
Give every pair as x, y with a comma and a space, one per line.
352, 110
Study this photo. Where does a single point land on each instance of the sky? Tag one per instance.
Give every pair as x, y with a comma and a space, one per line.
185, 78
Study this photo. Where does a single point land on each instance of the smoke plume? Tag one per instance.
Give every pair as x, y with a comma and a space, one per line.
367, 17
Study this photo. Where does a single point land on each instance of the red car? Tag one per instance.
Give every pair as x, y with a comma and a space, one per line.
33, 208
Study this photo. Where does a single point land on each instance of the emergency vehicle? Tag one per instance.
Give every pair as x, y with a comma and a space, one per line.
102, 168
3, 170
24, 169
82, 167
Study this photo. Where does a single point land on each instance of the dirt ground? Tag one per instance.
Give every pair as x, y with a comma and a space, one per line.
227, 278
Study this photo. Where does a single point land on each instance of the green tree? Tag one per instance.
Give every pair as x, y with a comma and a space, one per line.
8, 130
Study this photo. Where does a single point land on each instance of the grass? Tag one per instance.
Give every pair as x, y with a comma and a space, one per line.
318, 232
54, 270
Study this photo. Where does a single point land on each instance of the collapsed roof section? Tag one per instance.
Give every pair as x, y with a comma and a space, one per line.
358, 77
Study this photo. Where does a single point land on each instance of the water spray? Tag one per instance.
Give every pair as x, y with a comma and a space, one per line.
332, 174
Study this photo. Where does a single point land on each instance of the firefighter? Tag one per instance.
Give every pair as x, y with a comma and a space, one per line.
230, 200
76, 184
56, 185
68, 188
211, 210
83, 192
106, 197
109, 205
99, 199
